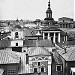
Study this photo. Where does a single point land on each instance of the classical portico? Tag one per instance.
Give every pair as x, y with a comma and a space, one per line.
54, 36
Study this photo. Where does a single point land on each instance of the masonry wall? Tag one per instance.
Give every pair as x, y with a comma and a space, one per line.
58, 60
9, 69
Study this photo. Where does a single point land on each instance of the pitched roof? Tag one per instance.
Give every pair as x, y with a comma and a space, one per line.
4, 43
7, 58
69, 55
38, 51
39, 43
51, 28
66, 43
3, 35
44, 43
29, 43
29, 31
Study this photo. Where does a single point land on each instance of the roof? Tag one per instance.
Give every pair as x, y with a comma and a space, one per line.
38, 51
29, 32
18, 26
29, 43
66, 43
39, 43
49, 11
8, 57
69, 55
51, 29
5, 43
3, 35
65, 18
44, 43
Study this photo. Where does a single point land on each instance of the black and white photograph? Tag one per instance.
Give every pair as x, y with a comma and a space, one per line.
37, 37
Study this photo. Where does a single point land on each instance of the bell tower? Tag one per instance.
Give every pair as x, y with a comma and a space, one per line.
49, 13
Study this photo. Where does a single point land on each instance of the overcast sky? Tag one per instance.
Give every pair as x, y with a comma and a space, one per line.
35, 9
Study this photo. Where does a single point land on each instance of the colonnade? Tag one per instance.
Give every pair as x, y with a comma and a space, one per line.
54, 36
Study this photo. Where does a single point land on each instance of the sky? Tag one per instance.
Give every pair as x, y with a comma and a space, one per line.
35, 9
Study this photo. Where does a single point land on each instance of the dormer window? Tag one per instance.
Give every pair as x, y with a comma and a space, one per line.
16, 35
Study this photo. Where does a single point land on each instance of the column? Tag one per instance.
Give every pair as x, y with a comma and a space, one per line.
59, 37
48, 35
54, 38
66, 37
49, 67
43, 36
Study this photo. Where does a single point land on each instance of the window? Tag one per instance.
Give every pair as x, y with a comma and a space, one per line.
11, 72
46, 35
27, 59
16, 44
35, 70
38, 63
58, 67
16, 35
42, 69
72, 71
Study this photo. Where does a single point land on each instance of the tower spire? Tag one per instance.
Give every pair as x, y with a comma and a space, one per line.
49, 12
49, 4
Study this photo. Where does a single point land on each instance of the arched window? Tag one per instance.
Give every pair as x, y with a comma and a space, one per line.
16, 35
39, 58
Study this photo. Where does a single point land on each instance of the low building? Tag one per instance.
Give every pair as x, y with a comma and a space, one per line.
9, 63
65, 22
63, 61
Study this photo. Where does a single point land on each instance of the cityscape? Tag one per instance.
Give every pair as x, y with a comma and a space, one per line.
38, 47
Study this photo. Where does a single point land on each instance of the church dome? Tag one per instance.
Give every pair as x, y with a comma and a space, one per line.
18, 26
49, 11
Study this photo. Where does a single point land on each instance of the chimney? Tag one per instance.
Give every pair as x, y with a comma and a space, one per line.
65, 50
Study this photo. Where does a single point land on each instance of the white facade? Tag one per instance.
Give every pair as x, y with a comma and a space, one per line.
16, 43
20, 34
17, 37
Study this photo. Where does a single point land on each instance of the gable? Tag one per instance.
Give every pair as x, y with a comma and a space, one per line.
39, 51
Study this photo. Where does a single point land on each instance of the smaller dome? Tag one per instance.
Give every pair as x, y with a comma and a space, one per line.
49, 11
18, 26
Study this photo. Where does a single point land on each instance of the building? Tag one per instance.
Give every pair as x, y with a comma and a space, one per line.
9, 63
40, 59
27, 48
35, 51
65, 22
63, 59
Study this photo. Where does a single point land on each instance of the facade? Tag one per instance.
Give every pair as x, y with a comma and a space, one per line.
65, 22
27, 49
40, 60
53, 34
17, 36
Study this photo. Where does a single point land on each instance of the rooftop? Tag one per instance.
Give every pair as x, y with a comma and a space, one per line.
38, 51
39, 43
69, 55
8, 57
